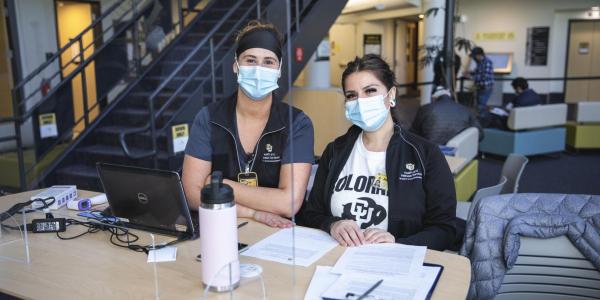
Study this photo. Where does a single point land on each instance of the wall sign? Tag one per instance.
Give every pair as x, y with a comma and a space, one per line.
583, 48
180, 137
536, 53
495, 36
48, 126
323, 52
372, 44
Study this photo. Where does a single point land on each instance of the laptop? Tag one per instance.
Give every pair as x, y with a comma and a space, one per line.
147, 199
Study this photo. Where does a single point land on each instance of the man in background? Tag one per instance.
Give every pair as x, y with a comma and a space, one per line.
483, 77
525, 95
443, 118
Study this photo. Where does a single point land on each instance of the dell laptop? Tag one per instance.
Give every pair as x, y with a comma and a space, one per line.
147, 199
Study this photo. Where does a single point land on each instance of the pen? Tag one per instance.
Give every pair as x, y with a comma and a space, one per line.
242, 224
370, 290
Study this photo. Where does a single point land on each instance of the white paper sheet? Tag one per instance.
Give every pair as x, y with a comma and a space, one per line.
397, 288
321, 280
165, 254
382, 260
311, 244
353, 285
428, 276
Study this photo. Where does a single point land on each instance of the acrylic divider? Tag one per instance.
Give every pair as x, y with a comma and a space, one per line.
14, 239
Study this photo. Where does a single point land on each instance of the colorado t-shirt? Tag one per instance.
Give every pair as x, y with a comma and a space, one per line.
361, 192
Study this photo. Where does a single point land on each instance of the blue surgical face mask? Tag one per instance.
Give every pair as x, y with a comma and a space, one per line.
257, 82
367, 113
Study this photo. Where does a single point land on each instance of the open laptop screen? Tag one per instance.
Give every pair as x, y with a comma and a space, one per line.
146, 199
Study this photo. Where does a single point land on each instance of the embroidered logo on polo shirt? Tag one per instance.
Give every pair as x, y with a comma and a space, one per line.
270, 156
410, 173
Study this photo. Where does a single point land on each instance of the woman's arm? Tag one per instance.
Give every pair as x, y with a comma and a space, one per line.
439, 229
316, 212
276, 200
196, 174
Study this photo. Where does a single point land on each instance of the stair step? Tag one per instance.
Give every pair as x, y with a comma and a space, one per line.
117, 151
79, 170
83, 176
136, 111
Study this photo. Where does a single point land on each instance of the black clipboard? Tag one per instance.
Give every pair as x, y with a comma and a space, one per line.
437, 278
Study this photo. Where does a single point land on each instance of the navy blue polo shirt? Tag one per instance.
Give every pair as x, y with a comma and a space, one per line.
199, 143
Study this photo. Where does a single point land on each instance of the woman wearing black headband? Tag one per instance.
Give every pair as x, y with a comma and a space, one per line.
246, 136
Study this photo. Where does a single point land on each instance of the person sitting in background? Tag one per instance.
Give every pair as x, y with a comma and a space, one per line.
378, 183
525, 95
443, 119
497, 117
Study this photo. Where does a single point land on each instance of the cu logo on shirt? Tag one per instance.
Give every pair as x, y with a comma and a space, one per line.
364, 211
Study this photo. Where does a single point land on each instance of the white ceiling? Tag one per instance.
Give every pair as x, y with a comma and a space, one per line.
363, 5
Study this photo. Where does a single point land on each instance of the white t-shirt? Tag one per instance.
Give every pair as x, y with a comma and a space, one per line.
360, 192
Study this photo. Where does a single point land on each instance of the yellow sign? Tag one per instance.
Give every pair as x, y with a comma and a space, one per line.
180, 131
48, 119
495, 36
180, 137
48, 126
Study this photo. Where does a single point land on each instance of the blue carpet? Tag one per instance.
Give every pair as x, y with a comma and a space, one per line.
568, 173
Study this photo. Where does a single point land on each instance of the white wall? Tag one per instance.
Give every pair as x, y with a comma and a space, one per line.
516, 16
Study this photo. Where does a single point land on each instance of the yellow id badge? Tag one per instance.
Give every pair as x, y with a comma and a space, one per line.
249, 178
381, 181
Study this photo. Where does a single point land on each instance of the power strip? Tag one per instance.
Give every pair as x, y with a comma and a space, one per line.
61, 193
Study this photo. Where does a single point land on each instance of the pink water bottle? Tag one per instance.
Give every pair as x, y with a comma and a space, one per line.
218, 236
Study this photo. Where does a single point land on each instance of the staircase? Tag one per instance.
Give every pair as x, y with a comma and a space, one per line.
181, 80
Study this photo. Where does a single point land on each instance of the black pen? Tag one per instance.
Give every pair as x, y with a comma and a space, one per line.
242, 224
370, 290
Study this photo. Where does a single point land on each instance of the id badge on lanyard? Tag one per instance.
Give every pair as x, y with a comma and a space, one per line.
248, 178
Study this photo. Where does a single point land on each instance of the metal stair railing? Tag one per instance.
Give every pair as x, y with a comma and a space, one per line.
151, 125
124, 21
300, 8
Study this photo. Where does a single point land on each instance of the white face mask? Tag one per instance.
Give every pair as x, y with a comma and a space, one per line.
256, 81
368, 113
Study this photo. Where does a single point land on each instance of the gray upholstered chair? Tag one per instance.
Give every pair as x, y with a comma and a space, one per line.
464, 209
513, 169
550, 269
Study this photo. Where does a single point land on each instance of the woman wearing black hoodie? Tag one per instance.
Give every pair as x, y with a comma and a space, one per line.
378, 183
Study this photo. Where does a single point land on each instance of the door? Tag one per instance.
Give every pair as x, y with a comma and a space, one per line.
412, 51
583, 60
6, 80
72, 17
343, 49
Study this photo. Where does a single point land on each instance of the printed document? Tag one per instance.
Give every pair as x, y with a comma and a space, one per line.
353, 285
321, 280
311, 244
382, 260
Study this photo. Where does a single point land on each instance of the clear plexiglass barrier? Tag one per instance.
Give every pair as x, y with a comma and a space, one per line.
14, 240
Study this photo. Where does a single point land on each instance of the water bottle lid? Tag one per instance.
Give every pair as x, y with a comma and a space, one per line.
216, 192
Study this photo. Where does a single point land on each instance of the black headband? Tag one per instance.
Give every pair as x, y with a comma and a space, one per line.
259, 38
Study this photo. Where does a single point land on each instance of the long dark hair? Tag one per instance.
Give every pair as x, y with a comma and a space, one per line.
374, 64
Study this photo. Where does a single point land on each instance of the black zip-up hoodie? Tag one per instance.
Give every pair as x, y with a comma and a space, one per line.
422, 199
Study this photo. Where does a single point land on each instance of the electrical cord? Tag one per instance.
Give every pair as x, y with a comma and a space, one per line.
119, 236
20, 206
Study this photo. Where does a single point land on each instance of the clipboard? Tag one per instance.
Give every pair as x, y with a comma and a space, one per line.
437, 278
